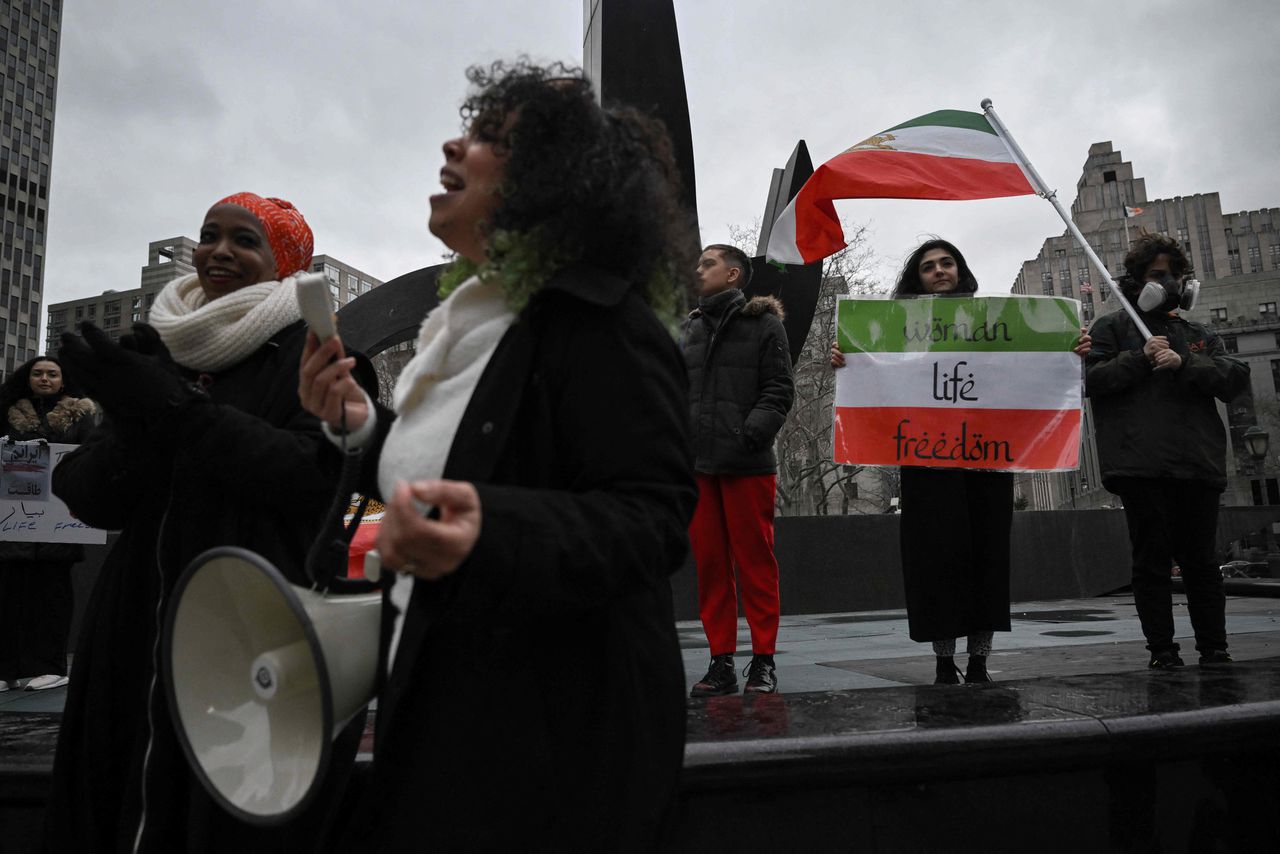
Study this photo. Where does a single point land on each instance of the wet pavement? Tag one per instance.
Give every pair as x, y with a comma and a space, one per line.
835, 652
862, 748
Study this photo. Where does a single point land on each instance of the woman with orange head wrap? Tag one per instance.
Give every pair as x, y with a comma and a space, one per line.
203, 444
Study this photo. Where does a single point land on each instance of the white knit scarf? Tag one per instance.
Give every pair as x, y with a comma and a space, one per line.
455, 344
206, 335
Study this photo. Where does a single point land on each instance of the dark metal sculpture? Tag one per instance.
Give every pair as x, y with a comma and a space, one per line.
631, 52
796, 286
391, 313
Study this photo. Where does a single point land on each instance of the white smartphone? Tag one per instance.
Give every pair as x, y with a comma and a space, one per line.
316, 303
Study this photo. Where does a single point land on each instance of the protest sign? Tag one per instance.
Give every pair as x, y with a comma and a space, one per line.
29, 511
959, 382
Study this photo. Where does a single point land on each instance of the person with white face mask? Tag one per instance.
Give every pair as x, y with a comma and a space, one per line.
1162, 444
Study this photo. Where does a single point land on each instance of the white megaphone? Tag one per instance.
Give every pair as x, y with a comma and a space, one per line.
262, 675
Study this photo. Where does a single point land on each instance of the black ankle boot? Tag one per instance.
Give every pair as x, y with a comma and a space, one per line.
977, 670
948, 673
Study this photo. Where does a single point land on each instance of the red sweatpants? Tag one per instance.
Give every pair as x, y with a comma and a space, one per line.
733, 528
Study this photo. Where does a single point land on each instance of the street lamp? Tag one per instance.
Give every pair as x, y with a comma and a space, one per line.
1256, 441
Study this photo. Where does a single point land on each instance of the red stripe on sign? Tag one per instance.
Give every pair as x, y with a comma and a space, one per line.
1010, 439
892, 175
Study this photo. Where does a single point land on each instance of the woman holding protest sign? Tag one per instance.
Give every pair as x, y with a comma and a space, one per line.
204, 445
536, 695
955, 523
35, 578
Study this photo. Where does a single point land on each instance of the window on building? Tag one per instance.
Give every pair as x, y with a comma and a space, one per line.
365, 287
1218, 315
1255, 259
1267, 310
111, 309
332, 274
79, 312
1047, 287
1060, 252
1109, 177
1231, 343
353, 284
1275, 373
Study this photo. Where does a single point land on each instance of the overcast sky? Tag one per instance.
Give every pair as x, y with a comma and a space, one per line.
341, 107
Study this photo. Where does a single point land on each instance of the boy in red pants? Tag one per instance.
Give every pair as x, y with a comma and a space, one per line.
740, 390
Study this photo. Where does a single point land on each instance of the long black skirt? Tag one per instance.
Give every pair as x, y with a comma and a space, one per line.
955, 551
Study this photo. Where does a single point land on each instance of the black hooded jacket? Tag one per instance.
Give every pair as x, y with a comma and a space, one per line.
1160, 424
740, 386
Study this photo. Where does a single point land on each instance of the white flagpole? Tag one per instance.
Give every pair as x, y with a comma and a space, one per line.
1051, 196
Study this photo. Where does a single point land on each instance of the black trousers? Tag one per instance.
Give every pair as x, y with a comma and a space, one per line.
35, 618
954, 538
1175, 520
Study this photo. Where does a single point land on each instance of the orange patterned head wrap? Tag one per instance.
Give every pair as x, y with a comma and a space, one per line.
287, 232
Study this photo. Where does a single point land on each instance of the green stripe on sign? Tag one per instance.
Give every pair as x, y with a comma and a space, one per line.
958, 324
951, 119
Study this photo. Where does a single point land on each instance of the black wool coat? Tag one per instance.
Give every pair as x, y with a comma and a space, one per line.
740, 385
537, 696
1160, 424
247, 467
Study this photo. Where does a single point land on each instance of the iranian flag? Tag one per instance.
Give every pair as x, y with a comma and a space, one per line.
950, 154
959, 382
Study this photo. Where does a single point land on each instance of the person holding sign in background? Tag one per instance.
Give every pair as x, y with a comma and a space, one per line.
204, 444
1162, 444
35, 578
955, 523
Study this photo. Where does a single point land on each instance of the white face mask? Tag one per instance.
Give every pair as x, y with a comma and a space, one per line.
1167, 295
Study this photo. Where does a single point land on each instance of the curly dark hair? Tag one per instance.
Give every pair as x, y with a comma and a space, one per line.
582, 183
18, 384
1143, 253
909, 283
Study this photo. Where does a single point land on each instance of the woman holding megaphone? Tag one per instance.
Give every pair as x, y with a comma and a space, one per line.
538, 481
204, 444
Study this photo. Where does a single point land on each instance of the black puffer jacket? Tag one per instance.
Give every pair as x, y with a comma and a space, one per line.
69, 420
740, 386
1160, 424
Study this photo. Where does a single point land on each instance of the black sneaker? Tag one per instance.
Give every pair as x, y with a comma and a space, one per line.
720, 678
761, 678
947, 672
1165, 660
1215, 656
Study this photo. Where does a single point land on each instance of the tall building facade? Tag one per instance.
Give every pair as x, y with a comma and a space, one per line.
115, 312
29, 31
1237, 260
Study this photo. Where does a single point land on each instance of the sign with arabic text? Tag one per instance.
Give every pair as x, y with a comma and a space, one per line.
29, 511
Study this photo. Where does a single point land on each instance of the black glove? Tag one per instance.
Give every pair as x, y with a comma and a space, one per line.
128, 384
145, 341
